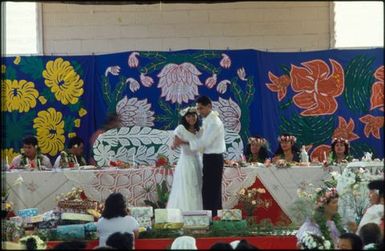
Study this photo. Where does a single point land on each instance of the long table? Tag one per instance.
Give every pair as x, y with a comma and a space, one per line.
40, 188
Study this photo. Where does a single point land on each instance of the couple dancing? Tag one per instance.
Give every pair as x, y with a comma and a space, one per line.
194, 187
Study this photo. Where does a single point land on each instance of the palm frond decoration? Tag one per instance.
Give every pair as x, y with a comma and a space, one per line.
357, 149
170, 116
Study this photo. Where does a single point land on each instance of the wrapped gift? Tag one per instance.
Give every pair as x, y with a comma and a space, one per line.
229, 225
76, 217
141, 212
28, 212
199, 212
33, 219
91, 232
17, 219
230, 214
145, 222
196, 221
70, 232
169, 215
51, 215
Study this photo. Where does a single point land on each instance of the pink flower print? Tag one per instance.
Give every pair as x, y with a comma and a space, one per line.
133, 84
222, 86
179, 83
211, 81
114, 70
225, 61
146, 80
242, 74
133, 61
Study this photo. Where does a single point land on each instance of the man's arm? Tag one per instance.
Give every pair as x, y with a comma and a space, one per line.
210, 132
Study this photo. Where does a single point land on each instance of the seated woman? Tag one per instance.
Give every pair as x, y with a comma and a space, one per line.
256, 150
325, 220
72, 155
339, 151
287, 150
30, 156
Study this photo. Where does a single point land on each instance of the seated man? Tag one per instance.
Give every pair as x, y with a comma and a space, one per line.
72, 155
30, 156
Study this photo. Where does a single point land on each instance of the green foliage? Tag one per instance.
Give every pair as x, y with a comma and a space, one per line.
68, 123
78, 68
170, 116
357, 149
10, 73
358, 82
162, 194
75, 107
112, 97
308, 130
48, 95
32, 66
18, 127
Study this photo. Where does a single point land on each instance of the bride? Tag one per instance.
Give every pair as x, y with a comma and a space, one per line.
186, 190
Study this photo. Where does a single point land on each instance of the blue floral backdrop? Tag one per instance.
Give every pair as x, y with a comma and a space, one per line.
315, 96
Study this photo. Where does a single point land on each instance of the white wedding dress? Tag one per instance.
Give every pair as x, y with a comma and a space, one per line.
186, 190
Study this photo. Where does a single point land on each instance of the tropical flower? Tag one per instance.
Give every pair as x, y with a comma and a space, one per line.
8, 155
146, 80
278, 84
229, 113
242, 74
179, 83
225, 61
211, 81
17, 60
49, 131
82, 112
222, 86
18, 95
318, 87
133, 84
377, 97
345, 130
234, 151
135, 112
114, 70
320, 152
103, 154
133, 62
372, 125
63, 81
42, 100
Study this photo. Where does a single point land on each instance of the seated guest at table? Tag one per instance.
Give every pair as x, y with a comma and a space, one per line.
287, 150
325, 220
115, 219
221, 246
349, 241
122, 241
30, 156
71, 245
72, 155
371, 236
256, 149
339, 151
113, 120
242, 245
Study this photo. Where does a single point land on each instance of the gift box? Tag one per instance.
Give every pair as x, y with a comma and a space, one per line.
229, 225
199, 212
141, 212
33, 219
91, 232
70, 232
76, 217
230, 214
144, 222
169, 215
28, 212
52, 215
17, 219
196, 221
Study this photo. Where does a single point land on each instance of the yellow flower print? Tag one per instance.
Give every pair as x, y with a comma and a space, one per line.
8, 155
49, 131
82, 112
77, 122
17, 60
19, 95
71, 134
3, 68
63, 81
42, 100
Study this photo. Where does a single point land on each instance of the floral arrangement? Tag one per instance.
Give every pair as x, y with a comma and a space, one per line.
313, 241
281, 163
76, 199
40, 244
32, 165
250, 199
162, 161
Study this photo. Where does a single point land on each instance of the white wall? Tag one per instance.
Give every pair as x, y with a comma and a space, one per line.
276, 26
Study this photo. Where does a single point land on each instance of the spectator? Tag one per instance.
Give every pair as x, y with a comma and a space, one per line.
123, 241
340, 151
370, 235
349, 241
70, 245
256, 150
242, 245
115, 219
287, 149
72, 155
184, 242
221, 246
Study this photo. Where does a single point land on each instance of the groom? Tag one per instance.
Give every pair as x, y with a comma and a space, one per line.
212, 144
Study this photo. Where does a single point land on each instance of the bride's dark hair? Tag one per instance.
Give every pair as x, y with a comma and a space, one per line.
186, 125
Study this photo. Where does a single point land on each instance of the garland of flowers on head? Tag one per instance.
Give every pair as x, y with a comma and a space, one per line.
39, 157
260, 141
333, 158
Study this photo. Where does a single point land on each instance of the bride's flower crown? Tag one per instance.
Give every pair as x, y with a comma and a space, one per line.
287, 138
191, 109
325, 195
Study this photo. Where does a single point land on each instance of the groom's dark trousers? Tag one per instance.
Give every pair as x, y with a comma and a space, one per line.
212, 182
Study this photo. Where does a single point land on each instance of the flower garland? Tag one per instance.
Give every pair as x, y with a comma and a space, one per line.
313, 241
39, 158
68, 159
40, 244
287, 138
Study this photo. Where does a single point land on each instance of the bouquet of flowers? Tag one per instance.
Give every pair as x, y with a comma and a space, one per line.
38, 243
250, 199
162, 161
313, 241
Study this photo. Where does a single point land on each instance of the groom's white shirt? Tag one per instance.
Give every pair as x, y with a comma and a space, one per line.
213, 137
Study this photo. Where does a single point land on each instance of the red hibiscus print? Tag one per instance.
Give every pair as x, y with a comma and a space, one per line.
278, 84
372, 125
377, 97
318, 86
345, 130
